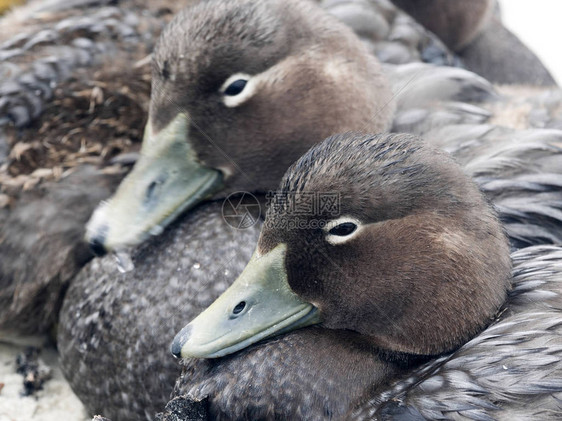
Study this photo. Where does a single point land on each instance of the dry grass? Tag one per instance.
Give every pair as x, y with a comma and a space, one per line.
88, 122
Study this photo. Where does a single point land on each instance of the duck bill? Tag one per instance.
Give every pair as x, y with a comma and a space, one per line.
166, 180
259, 304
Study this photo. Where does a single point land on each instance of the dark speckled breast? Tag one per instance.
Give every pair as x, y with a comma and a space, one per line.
310, 374
115, 329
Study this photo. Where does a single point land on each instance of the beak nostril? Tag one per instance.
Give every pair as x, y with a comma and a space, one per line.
239, 307
97, 247
179, 341
150, 190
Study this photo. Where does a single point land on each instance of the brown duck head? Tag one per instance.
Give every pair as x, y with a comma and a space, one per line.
240, 90
412, 257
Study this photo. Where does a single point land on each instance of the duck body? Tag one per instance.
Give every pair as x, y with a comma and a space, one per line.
457, 23
474, 31
498, 55
389, 33
311, 374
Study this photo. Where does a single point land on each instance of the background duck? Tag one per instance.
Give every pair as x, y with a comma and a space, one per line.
440, 97
474, 31
71, 100
456, 23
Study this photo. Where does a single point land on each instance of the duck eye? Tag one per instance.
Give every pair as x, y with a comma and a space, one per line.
343, 229
235, 87
239, 307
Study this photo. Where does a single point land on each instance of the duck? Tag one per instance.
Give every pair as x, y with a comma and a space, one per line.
473, 31
72, 108
442, 98
164, 184
335, 271
369, 269
334, 274
500, 374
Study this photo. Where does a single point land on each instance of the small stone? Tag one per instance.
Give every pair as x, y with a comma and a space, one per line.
34, 371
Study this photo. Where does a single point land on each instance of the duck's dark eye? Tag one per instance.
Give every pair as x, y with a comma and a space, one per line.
239, 307
343, 229
235, 87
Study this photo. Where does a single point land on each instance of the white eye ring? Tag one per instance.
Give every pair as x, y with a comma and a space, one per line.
248, 91
340, 239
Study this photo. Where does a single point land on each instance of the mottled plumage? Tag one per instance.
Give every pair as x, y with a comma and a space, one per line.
114, 326
430, 100
512, 370
88, 58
